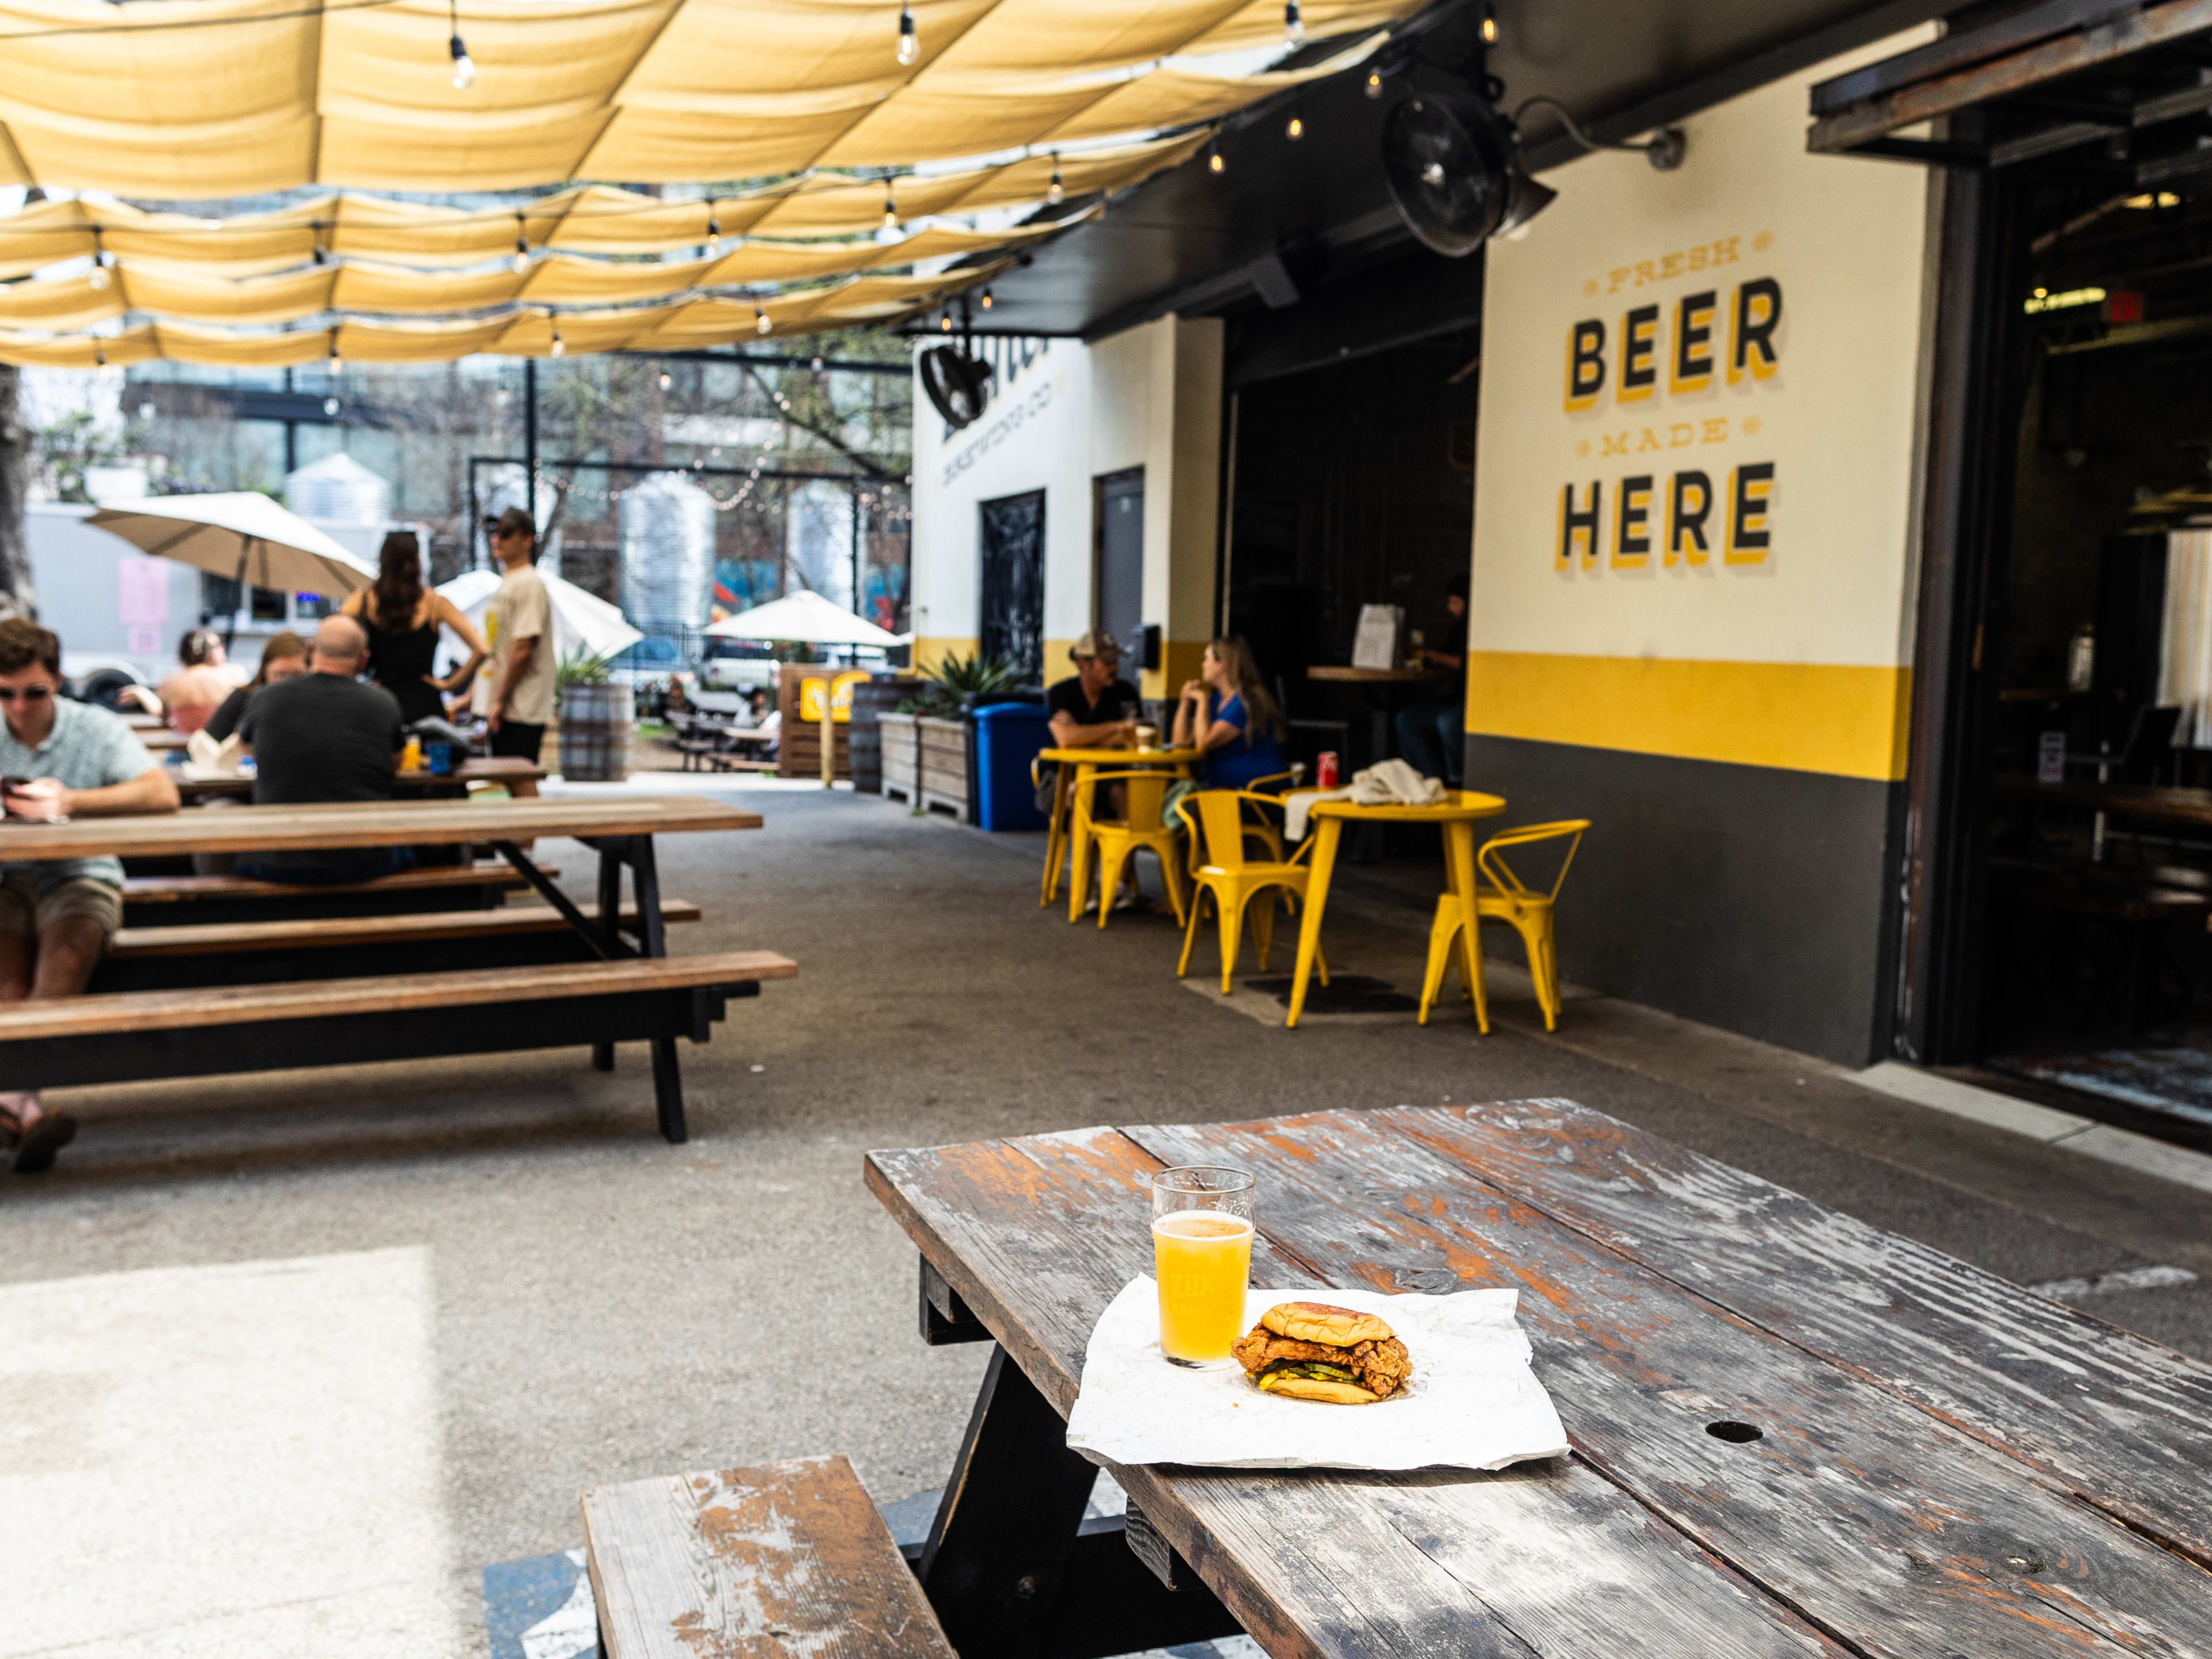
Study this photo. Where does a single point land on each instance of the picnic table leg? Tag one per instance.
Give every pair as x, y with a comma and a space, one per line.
603, 1053
1326, 834
1006, 1528
667, 1076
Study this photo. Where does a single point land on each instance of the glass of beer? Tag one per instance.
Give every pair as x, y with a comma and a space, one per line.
1202, 1257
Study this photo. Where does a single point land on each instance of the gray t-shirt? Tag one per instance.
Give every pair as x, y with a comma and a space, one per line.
88, 749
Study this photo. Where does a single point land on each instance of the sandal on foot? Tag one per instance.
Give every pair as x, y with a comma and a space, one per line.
36, 1146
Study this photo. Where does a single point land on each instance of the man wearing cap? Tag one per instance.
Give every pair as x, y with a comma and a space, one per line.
520, 623
1094, 709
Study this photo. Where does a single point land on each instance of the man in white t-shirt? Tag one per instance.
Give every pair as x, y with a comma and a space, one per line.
520, 623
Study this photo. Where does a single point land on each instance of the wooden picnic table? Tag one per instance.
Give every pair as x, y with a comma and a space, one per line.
1793, 1432
521, 778
1456, 814
1067, 831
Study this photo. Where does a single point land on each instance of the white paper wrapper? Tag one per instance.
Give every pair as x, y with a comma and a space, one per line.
1473, 1402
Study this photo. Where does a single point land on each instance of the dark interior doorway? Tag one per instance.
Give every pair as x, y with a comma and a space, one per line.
1117, 587
1010, 596
1353, 485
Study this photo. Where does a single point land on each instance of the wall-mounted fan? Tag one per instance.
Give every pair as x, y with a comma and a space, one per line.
1454, 167
958, 385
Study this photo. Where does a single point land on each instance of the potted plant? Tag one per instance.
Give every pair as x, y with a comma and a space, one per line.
597, 717
929, 744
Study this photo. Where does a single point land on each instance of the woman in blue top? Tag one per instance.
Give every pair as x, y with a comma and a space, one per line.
1229, 716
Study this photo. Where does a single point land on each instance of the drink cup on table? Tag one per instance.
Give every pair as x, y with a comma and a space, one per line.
1148, 736
1202, 1258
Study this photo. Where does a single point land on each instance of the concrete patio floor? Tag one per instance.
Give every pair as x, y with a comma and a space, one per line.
369, 1330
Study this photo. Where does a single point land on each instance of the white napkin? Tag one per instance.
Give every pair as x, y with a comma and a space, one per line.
1386, 783
1472, 1402
205, 758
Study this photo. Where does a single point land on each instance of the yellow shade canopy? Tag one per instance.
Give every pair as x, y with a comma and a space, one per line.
196, 99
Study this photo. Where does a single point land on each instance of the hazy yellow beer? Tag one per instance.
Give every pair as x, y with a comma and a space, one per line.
1203, 1259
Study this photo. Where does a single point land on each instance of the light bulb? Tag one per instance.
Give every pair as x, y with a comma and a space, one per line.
1055, 192
987, 299
1489, 26
1213, 161
713, 230
909, 46
1297, 129
464, 67
98, 277
946, 326
560, 347
337, 363
1374, 83
664, 380
1294, 26
817, 365
521, 260
760, 323
891, 209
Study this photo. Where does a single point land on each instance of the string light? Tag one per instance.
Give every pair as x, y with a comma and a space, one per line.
760, 323
665, 379
521, 246
337, 362
945, 325
1213, 161
713, 228
987, 299
1374, 83
464, 67
909, 46
1489, 25
559, 346
1055, 193
891, 207
817, 365
1294, 25
98, 277
1296, 128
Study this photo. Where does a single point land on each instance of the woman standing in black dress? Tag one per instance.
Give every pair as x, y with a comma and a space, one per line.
402, 617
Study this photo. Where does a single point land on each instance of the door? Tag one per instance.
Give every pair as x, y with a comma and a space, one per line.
1117, 577
1010, 625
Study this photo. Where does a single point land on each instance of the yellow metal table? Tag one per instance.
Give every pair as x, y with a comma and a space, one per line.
1456, 814
1067, 839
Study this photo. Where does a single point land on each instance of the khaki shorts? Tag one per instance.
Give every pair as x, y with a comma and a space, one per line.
28, 907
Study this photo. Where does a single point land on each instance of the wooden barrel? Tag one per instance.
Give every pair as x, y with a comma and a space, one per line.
596, 725
872, 699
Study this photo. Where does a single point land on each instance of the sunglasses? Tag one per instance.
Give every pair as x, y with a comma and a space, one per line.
28, 693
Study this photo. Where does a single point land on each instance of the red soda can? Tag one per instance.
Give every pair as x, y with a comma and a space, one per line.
1325, 769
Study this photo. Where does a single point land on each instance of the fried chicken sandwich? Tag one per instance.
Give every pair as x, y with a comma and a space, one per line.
1311, 1351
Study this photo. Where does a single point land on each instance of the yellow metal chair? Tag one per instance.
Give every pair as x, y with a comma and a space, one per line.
1142, 829
1217, 826
1055, 837
1274, 786
1502, 896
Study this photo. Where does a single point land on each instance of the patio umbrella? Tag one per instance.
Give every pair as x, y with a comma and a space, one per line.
242, 535
584, 625
807, 618
803, 619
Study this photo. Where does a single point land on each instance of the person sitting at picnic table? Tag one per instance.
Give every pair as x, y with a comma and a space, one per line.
402, 617
58, 915
200, 685
1432, 736
324, 736
284, 655
1228, 715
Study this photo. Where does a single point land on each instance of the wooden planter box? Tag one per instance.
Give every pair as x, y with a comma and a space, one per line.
925, 761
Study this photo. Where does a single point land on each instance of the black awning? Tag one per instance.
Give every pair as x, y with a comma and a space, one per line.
2092, 89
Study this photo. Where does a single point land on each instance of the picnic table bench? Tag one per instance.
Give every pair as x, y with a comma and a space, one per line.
162, 901
718, 744
1793, 1432
622, 992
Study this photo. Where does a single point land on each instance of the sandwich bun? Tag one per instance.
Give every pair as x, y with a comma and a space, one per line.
1332, 1326
1314, 1388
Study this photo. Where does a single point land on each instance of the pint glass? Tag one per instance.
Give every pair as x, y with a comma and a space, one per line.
1202, 1257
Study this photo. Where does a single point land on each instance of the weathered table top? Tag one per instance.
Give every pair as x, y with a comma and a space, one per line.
370, 823
1945, 1464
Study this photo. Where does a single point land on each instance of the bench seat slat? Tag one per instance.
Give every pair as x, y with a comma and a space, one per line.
431, 927
166, 889
240, 1004
788, 1558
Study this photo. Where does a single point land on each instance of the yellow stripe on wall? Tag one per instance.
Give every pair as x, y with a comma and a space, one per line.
1799, 717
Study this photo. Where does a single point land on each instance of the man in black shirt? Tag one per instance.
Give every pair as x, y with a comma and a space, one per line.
324, 736
1432, 736
1096, 709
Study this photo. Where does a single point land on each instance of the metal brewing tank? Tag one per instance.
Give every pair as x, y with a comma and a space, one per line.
667, 554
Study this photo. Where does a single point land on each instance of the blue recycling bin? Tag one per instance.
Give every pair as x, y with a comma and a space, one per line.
1007, 737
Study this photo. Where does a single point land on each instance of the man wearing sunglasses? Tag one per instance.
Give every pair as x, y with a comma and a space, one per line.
61, 759
520, 623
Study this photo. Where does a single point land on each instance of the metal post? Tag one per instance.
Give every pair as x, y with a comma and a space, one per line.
530, 436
